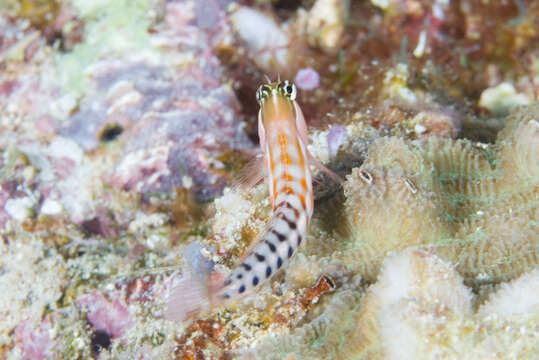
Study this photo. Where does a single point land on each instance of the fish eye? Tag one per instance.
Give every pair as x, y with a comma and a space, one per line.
289, 89
259, 94
262, 93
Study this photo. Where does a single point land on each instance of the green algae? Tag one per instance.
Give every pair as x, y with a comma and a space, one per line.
38, 12
111, 29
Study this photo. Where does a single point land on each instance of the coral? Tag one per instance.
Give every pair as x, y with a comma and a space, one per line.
75, 122
174, 124
240, 217
321, 338
390, 204
478, 208
411, 286
417, 309
419, 297
64, 175
264, 38
35, 343
517, 297
500, 100
108, 316
496, 210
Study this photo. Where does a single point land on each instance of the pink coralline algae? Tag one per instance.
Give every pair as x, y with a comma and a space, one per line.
307, 79
110, 316
35, 343
23, 92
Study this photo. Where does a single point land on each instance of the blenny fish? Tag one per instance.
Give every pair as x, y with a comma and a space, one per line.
283, 140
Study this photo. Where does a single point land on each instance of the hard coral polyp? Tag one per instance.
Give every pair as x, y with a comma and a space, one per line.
477, 205
391, 204
498, 236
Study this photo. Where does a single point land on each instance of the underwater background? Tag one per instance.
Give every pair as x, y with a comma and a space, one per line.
124, 125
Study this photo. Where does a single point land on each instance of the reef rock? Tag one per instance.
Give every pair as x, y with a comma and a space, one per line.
171, 112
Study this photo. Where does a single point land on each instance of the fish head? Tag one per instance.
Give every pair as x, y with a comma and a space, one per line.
278, 107
277, 102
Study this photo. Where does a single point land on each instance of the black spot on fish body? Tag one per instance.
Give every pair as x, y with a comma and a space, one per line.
282, 204
279, 262
290, 251
259, 257
271, 246
241, 289
330, 282
268, 271
280, 236
246, 266
255, 281
239, 276
291, 224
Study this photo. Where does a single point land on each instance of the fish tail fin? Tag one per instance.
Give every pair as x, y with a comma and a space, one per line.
190, 296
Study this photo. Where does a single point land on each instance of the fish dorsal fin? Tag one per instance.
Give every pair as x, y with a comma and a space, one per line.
256, 168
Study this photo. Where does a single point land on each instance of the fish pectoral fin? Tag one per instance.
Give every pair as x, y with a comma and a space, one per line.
321, 167
252, 173
187, 297
190, 295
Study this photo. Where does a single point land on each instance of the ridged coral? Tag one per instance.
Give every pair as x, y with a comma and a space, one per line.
514, 298
494, 199
390, 205
476, 204
417, 309
410, 285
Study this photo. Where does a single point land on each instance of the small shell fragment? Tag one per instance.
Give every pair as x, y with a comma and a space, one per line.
325, 27
411, 186
312, 295
366, 176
